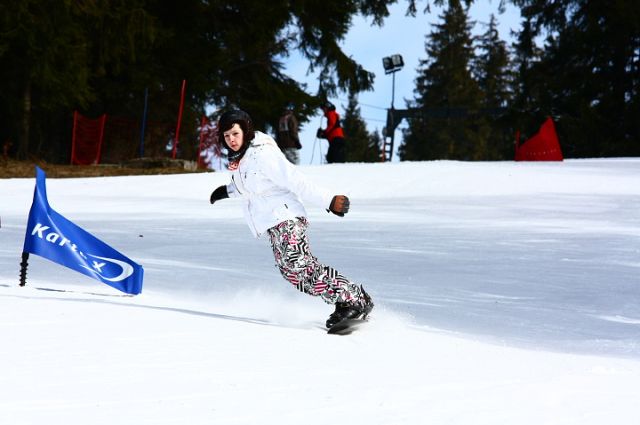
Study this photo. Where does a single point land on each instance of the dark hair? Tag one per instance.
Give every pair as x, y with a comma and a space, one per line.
236, 116
328, 105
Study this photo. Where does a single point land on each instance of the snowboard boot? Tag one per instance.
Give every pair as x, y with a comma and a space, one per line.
351, 311
338, 314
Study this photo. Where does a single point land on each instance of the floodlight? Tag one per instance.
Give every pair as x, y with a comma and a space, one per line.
392, 63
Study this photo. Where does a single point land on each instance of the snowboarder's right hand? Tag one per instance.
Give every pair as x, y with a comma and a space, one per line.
219, 193
339, 205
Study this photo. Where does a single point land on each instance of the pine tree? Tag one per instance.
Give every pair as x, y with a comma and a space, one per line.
492, 67
100, 56
361, 146
495, 78
56, 54
447, 95
527, 113
588, 75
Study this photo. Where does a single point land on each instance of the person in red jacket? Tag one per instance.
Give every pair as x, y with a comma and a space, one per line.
333, 133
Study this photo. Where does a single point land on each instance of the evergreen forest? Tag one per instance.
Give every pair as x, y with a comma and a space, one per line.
577, 61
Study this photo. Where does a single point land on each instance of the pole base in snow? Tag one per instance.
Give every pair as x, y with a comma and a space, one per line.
23, 268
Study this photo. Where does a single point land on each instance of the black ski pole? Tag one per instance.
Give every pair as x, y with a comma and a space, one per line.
23, 268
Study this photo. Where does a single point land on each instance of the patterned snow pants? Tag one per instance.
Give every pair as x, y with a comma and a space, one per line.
298, 266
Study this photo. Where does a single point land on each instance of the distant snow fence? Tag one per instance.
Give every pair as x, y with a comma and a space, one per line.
543, 146
109, 139
395, 116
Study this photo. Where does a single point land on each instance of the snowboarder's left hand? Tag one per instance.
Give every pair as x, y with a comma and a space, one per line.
339, 205
219, 193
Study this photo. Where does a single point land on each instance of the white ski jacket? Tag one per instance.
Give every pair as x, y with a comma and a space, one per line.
273, 189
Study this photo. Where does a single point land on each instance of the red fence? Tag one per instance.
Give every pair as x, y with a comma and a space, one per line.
87, 138
209, 151
110, 139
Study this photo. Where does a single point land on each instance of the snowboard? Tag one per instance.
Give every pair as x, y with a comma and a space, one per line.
346, 326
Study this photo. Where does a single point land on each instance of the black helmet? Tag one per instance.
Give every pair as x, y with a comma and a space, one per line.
226, 121
328, 105
236, 116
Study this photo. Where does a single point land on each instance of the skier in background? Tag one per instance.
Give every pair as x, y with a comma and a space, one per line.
273, 190
333, 133
287, 138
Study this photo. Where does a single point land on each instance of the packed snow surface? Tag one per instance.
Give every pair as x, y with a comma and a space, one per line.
506, 293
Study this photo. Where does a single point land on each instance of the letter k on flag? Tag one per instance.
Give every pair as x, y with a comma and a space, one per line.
52, 236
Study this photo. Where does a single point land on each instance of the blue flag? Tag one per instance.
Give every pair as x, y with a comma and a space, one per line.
52, 236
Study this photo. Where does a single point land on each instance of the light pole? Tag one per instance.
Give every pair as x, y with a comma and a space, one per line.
391, 64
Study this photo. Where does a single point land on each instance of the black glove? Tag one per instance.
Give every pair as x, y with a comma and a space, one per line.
219, 193
339, 205
320, 134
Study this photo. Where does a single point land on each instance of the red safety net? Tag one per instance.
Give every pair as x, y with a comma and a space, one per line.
543, 146
87, 138
111, 139
209, 150
121, 140
159, 138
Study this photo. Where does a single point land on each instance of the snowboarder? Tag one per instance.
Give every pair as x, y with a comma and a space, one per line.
273, 190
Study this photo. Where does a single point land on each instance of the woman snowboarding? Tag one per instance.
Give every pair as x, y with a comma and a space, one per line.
273, 190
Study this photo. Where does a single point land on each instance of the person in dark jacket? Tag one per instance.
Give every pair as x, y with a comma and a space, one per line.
287, 138
333, 133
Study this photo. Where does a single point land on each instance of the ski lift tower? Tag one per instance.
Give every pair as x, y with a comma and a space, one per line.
391, 64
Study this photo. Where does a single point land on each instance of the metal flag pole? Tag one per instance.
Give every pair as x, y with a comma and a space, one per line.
313, 151
177, 135
143, 126
315, 141
23, 268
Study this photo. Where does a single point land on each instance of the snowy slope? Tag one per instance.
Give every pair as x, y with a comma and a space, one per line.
506, 293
